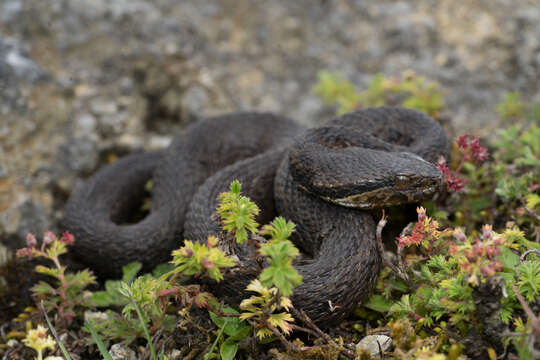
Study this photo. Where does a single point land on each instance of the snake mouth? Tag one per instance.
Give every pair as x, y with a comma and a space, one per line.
384, 197
402, 189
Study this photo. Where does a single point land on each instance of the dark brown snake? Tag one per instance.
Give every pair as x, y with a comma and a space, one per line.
322, 179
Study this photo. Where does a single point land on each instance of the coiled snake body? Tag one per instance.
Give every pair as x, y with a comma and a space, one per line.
322, 179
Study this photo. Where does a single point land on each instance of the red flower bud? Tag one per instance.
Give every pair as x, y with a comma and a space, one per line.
24, 252
460, 235
487, 270
421, 213
207, 264
49, 237
67, 238
487, 232
187, 252
31, 240
463, 142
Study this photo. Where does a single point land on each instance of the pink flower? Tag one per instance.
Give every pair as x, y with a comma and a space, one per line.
24, 252
478, 152
421, 213
207, 264
463, 141
451, 178
460, 235
187, 252
49, 237
487, 232
67, 238
31, 240
454, 181
471, 149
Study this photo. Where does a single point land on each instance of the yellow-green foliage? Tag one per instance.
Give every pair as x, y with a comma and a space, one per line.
410, 91
238, 213
196, 258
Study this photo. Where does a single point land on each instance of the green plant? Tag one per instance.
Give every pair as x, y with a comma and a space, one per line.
237, 213
143, 293
112, 294
234, 329
280, 252
69, 294
410, 91
198, 259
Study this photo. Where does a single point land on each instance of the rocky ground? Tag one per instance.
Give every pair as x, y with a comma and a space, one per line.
84, 81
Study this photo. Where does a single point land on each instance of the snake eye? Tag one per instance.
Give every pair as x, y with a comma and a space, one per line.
402, 180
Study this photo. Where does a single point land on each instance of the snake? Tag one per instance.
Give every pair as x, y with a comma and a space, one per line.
325, 179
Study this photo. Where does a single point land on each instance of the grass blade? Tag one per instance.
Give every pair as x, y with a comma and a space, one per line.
217, 339
53, 331
101, 346
145, 329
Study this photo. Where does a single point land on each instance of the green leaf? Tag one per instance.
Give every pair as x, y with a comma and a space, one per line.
279, 229
101, 346
228, 349
162, 269
47, 271
233, 327
43, 288
130, 271
533, 200
102, 299
508, 258
285, 278
236, 187
379, 303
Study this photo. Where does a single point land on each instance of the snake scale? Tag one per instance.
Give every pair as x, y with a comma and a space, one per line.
323, 179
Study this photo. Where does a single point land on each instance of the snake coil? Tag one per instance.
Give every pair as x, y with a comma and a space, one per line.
323, 179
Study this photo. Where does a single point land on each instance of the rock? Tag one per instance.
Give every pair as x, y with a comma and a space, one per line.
195, 100
371, 343
12, 343
10, 9
100, 106
175, 354
85, 123
29, 217
16, 71
3, 165
79, 154
15, 63
157, 142
122, 352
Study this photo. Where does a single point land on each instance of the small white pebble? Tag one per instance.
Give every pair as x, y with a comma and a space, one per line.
371, 343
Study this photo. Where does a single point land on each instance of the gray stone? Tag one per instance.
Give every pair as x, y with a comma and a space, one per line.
3, 165
102, 106
175, 354
195, 100
15, 63
79, 154
375, 344
85, 123
29, 217
10, 9
122, 352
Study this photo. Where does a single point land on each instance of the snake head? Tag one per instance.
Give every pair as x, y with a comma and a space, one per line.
365, 178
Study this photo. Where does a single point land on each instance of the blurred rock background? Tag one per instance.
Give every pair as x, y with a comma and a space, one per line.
84, 81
